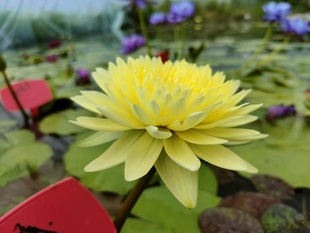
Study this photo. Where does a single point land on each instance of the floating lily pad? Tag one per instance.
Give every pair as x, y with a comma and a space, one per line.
21, 155
281, 218
158, 205
222, 219
5, 125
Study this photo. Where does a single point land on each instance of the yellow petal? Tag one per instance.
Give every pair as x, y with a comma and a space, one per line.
101, 77
100, 124
179, 152
99, 138
231, 133
198, 137
191, 120
116, 153
221, 156
182, 183
142, 115
121, 118
158, 132
142, 156
85, 103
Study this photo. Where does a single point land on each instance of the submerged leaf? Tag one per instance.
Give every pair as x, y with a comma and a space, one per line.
222, 219
281, 218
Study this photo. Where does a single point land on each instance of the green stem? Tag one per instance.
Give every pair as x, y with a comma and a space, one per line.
15, 97
261, 47
275, 51
144, 31
182, 41
132, 198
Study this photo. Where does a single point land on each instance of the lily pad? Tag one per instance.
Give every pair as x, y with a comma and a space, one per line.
58, 123
222, 219
5, 125
282, 218
158, 205
22, 156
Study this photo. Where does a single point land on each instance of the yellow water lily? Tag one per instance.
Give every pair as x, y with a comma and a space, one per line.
169, 115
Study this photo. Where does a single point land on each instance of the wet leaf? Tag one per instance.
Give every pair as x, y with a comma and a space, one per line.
112, 179
169, 212
273, 186
250, 202
281, 218
58, 123
222, 219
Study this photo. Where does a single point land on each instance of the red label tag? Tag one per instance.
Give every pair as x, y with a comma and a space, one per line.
31, 93
64, 207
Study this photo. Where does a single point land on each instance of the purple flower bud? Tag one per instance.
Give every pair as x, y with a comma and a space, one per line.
276, 12
157, 18
132, 43
51, 58
295, 26
83, 76
180, 11
54, 44
280, 111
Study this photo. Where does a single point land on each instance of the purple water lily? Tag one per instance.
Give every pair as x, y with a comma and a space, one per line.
276, 11
295, 26
132, 43
83, 76
157, 18
180, 11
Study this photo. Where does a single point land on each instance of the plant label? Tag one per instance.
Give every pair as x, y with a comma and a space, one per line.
66, 206
31, 93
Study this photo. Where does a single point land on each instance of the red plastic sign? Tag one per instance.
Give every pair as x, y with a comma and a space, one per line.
64, 207
31, 93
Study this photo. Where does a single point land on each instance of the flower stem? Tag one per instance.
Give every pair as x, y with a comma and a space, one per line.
144, 31
275, 51
132, 198
15, 97
261, 47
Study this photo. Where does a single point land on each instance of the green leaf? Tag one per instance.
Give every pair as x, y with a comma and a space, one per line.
58, 123
158, 205
23, 154
112, 179
138, 225
207, 179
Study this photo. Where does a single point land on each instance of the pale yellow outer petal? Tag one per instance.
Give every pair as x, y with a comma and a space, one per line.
158, 132
116, 153
222, 157
182, 183
121, 118
228, 122
231, 133
100, 124
99, 138
142, 156
85, 103
179, 152
142, 115
200, 138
